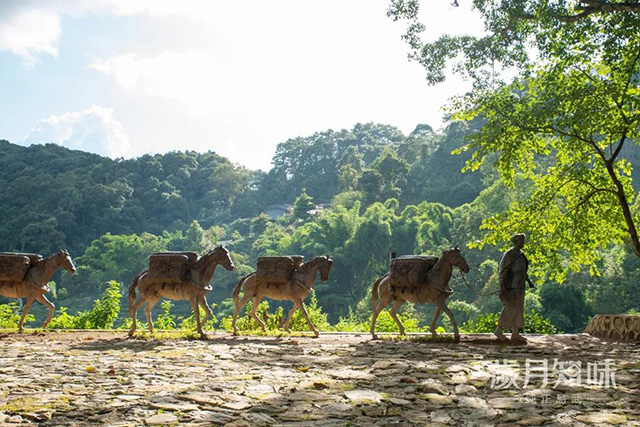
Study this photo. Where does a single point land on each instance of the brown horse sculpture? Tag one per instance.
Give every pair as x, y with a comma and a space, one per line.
295, 290
34, 285
434, 290
150, 291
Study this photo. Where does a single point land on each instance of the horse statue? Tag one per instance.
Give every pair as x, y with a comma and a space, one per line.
34, 285
150, 290
296, 290
433, 290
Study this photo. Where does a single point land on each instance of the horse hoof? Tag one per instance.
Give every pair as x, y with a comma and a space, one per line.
375, 337
456, 338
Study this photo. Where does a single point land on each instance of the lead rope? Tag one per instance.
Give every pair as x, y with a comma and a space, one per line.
474, 290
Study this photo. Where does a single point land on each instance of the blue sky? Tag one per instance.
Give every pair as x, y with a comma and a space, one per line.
125, 78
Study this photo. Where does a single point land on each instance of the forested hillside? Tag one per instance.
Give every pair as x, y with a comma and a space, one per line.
382, 191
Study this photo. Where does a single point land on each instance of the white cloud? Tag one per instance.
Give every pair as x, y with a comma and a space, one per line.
93, 130
29, 33
192, 78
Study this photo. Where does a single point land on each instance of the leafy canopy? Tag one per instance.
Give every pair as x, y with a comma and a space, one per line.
562, 123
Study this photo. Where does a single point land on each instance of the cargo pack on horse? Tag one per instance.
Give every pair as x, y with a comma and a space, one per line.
426, 282
177, 276
281, 278
27, 275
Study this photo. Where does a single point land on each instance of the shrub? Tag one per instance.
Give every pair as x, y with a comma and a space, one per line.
273, 320
102, 316
166, 320
533, 324
317, 317
384, 323
9, 316
63, 320
189, 323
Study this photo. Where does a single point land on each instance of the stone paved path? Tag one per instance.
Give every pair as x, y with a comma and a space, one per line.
101, 378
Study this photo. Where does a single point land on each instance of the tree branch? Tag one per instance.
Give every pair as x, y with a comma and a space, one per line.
626, 210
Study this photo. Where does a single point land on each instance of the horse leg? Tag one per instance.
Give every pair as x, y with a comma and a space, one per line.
435, 319
384, 301
289, 316
254, 307
456, 334
44, 301
147, 311
27, 307
207, 309
239, 304
195, 304
133, 312
395, 308
298, 302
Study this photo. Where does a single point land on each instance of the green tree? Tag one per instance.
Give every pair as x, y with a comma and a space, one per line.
559, 30
371, 185
302, 206
197, 240
563, 123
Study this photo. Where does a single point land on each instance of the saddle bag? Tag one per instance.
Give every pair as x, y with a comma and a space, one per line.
14, 266
171, 267
277, 269
411, 270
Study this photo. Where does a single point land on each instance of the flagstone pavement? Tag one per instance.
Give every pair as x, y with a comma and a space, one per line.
102, 378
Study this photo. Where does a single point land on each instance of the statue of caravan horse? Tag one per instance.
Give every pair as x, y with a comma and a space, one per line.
151, 290
296, 289
34, 285
433, 290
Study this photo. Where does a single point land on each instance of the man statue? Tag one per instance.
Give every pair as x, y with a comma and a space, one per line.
512, 277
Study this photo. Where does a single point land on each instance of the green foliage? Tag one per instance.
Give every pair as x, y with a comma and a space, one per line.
520, 35
389, 192
274, 320
533, 324
247, 323
302, 206
462, 312
384, 323
318, 318
63, 320
565, 306
10, 316
565, 123
189, 323
102, 316
166, 321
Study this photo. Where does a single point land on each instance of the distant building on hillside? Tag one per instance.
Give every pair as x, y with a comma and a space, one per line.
318, 208
276, 211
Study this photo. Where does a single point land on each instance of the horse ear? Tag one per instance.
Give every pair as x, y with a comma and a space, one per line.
457, 248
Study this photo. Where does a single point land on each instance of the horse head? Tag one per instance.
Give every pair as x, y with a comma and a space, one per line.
324, 266
454, 256
224, 259
64, 260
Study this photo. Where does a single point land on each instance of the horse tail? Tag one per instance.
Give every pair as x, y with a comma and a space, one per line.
236, 291
374, 292
132, 289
